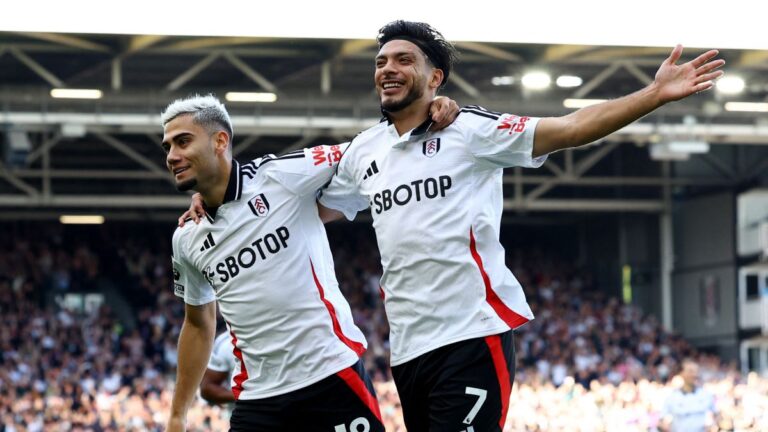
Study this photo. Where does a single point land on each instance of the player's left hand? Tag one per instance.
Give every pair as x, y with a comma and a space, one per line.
443, 111
675, 81
196, 211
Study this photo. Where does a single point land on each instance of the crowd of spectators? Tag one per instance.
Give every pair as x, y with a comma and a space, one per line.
587, 363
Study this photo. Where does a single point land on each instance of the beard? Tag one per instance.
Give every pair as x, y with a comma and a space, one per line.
415, 93
186, 185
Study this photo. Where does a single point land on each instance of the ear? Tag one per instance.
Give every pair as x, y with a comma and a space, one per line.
436, 78
220, 142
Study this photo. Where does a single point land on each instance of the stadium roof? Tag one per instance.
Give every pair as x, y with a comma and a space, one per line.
83, 154
735, 24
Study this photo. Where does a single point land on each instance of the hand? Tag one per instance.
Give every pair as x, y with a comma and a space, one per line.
176, 424
675, 82
196, 210
443, 111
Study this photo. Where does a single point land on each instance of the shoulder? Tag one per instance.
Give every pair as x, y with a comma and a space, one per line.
181, 234
271, 161
475, 115
359, 146
269, 166
370, 134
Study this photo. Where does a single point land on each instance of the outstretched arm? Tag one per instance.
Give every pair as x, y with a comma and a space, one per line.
672, 82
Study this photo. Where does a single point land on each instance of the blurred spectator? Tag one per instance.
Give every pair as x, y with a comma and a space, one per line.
587, 362
689, 408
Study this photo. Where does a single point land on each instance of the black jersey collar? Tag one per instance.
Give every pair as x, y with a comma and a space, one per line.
416, 132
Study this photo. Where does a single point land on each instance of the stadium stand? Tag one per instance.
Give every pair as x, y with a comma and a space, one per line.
587, 363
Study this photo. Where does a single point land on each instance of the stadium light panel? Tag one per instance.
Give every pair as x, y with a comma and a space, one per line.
536, 80
66, 93
81, 219
505, 80
581, 103
730, 85
747, 106
250, 97
568, 81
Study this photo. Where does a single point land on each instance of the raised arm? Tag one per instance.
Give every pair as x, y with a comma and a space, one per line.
672, 82
195, 343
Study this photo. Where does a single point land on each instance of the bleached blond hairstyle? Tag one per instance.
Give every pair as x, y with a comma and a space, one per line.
206, 111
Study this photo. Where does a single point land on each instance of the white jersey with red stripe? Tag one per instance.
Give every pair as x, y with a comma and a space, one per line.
264, 256
436, 201
222, 359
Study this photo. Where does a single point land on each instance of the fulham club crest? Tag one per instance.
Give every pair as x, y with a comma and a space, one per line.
259, 205
431, 147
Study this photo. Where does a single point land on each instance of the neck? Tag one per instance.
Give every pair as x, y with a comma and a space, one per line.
410, 116
213, 195
688, 388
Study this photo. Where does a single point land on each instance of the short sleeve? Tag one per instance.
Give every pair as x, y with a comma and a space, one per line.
342, 193
189, 283
500, 140
304, 172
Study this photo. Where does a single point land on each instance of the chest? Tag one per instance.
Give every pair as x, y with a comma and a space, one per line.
247, 236
422, 169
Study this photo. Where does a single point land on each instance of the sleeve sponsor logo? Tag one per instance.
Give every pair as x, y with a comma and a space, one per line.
430, 147
326, 155
178, 289
515, 124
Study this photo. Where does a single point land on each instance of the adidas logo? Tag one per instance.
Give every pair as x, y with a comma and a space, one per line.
373, 169
208, 243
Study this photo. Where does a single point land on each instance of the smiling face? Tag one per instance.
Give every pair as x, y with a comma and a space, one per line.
404, 75
192, 152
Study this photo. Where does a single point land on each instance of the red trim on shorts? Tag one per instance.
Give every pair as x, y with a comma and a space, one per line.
357, 385
512, 318
357, 347
241, 376
502, 372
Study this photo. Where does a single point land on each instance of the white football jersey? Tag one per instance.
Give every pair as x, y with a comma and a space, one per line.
222, 356
690, 412
264, 256
436, 201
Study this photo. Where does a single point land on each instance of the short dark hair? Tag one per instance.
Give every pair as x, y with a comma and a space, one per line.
441, 53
